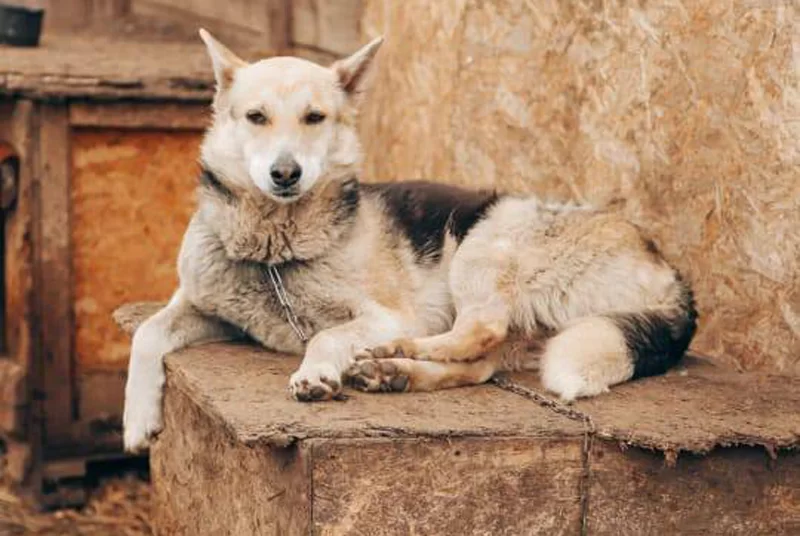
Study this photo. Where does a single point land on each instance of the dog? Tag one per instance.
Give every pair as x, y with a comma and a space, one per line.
411, 286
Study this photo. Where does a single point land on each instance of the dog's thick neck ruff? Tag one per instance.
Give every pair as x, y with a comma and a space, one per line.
253, 227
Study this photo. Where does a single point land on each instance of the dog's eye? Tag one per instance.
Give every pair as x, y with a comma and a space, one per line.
256, 117
313, 118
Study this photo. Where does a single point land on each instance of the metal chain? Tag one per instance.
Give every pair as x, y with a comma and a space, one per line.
283, 298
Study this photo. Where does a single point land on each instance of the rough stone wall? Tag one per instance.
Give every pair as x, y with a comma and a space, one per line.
686, 114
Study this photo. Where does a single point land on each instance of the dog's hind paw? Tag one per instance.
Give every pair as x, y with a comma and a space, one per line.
384, 375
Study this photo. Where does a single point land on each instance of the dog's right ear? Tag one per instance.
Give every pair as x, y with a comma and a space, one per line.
224, 61
354, 70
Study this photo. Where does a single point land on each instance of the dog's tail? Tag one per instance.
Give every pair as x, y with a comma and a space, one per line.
597, 352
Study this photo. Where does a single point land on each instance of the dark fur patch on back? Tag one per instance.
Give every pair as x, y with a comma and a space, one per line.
425, 211
658, 340
211, 182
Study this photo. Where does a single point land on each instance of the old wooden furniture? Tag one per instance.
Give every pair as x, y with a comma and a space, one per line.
98, 141
104, 146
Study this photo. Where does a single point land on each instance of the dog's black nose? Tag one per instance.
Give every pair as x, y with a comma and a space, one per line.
285, 172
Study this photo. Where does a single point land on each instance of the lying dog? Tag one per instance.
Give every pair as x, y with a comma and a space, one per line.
396, 287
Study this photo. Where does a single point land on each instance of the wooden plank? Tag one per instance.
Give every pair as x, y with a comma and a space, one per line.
100, 67
279, 20
16, 127
103, 10
155, 115
102, 396
249, 14
18, 122
60, 14
18, 460
87, 66
9, 163
72, 14
97, 428
17, 283
54, 272
13, 397
238, 23
231, 34
332, 26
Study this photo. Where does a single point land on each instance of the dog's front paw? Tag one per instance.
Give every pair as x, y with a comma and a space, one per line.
379, 375
314, 383
142, 420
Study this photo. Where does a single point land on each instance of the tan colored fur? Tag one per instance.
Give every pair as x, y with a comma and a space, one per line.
359, 289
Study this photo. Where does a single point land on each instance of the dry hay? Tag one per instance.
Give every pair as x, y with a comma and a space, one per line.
689, 112
119, 507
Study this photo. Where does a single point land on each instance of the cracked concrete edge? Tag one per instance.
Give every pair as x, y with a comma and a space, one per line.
626, 438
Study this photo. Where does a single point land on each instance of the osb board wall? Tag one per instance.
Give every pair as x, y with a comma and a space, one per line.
132, 197
688, 111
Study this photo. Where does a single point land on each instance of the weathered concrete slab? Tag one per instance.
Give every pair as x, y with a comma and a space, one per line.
244, 388
730, 491
699, 450
481, 486
696, 408
205, 483
238, 456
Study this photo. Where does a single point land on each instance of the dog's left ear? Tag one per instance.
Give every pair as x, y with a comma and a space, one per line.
224, 61
353, 70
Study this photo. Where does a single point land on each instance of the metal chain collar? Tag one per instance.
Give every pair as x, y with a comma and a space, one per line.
283, 298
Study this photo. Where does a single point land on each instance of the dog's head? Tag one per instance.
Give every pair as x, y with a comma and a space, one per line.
283, 125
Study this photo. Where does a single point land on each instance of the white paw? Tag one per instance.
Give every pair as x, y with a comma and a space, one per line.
142, 421
320, 381
142, 418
